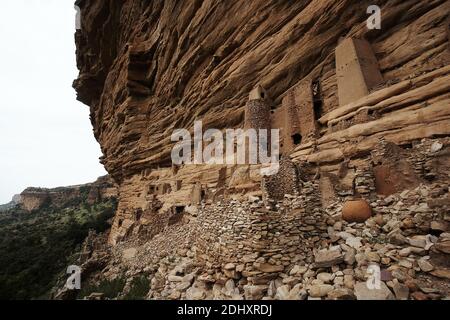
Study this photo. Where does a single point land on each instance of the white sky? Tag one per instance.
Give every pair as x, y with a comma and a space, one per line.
46, 138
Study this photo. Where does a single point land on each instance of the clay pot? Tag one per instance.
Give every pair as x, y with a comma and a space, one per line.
356, 211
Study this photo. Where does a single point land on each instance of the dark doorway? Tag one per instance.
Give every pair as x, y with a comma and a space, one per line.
138, 214
176, 215
297, 139
179, 209
317, 99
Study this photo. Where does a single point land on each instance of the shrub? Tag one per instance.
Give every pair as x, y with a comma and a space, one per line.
139, 288
110, 288
35, 247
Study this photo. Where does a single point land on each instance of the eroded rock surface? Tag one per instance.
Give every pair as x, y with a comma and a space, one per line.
363, 114
32, 199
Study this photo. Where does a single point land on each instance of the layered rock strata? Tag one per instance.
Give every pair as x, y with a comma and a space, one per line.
143, 76
362, 114
32, 199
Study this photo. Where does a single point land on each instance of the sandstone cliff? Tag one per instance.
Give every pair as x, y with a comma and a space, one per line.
143, 75
32, 199
148, 67
362, 114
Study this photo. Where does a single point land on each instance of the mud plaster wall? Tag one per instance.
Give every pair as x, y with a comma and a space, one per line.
357, 70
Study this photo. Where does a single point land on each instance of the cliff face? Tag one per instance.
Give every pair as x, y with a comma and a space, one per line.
43, 229
335, 88
364, 123
32, 199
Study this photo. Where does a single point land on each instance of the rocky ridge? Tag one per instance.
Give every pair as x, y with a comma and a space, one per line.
32, 199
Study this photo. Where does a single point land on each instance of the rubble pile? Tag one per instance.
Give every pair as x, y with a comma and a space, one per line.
247, 250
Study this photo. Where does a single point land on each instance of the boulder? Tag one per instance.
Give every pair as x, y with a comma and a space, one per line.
325, 277
195, 293
436, 146
441, 273
282, 292
443, 245
254, 292
230, 266
182, 286
320, 290
269, 268
297, 293
341, 294
425, 265
173, 278
354, 242
440, 226
401, 291
328, 258
362, 292
129, 254
349, 257
297, 270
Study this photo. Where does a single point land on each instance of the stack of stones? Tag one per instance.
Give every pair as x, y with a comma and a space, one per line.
380, 151
310, 198
257, 114
365, 181
423, 156
258, 242
284, 182
418, 161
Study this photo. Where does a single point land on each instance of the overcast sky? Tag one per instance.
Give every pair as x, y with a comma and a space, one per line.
46, 138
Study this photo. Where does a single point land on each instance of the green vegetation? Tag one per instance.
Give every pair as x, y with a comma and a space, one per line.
110, 288
36, 247
6, 207
139, 288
